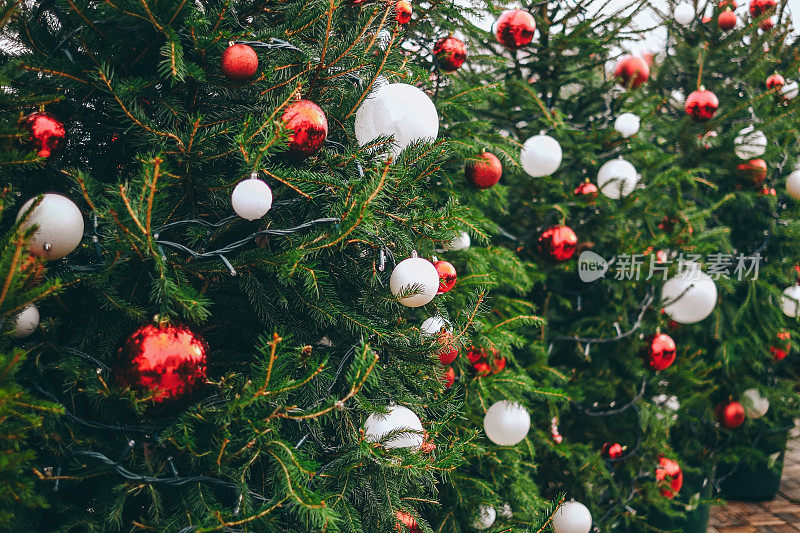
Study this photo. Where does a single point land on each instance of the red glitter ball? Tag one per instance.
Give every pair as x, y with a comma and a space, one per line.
484, 170
482, 368
612, 450
754, 170
671, 472
730, 414
762, 7
448, 351
587, 188
407, 520
402, 12
727, 20
632, 71
167, 361
728, 3
558, 243
447, 276
239, 62
475, 354
775, 81
46, 132
450, 53
780, 352
449, 377
499, 364
701, 104
308, 125
514, 28
662, 351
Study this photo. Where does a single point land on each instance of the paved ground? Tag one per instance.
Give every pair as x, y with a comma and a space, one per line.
781, 515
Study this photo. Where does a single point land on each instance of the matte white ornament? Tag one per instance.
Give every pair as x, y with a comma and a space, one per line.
485, 518
26, 322
460, 242
506, 423
755, 405
684, 13
60, 226
505, 511
627, 124
399, 110
790, 301
690, 296
572, 517
793, 184
417, 279
790, 90
251, 199
433, 326
750, 143
540, 156
379, 425
617, 178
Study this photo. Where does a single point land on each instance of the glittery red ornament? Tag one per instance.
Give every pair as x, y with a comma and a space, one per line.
558, 243
701, 104
167, 361
730, 414
447, 276
775, 81
448, 351
450, 53
728, 3
308, 125
407, 520
482, 368
727, 20
671, 472
239, 62
499, 364
46, 132
767, 24
632, 71
762, 7
612, 450
402, 12
587, 188
449, 377
661, 351
780, 352
514, 28
754, 170
474, 354
483, 170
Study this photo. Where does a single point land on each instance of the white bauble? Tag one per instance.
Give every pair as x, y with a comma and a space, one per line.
459, 242
540, 156
627, 124
790, 90
750, 143
251, 199
793, 184
690, 296
505, 511
25, 322
506, 423
486, 517
417, 278
572, 517
755, 405
617, 178
379, 425
433, 326
677, 98
684, 13
60, 226
399, 110
790, 301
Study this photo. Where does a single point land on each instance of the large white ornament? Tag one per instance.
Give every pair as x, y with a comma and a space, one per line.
26, 322
399, 110
433, 326
572, 517
506, 423
755, 405
684, 13
460, 242
540, 156
60, 226
750, 143
627, 124
485, 518
379, 425
690, 296
790, 301
417, 278
793, 184
790, 90
617, 178
251, 199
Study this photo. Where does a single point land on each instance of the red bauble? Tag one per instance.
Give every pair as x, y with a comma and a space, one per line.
671, 472
762, 7
754, 170
402, 12
484, 170
449, 377
308, 125
662, 351
558, 243
728, 3
767, 191
475, 354
727, 20
775, 81
730, 414
447, 276
407, 520
499, 364
514, 28
780, 352
450, 53
587, 188
482, 368
239, 62
701, 104
46, 132
612, 450
448, 351
767, 24
167, 361
632, 71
